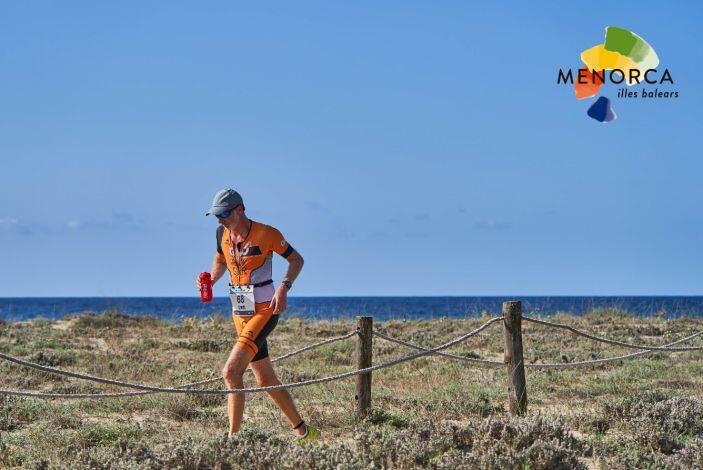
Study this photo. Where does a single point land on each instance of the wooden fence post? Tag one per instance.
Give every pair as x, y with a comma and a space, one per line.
512, 332
364, 326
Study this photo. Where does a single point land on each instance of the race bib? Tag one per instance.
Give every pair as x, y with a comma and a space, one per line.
242, 298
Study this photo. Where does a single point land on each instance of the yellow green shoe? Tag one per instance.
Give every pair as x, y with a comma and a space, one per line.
311, 434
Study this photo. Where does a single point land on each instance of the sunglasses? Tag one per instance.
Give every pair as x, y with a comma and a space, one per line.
225, 214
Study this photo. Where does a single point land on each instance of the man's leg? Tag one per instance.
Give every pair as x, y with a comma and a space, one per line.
265, 376
233, 373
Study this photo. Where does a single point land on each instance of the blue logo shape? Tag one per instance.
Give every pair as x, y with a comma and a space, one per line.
601, 110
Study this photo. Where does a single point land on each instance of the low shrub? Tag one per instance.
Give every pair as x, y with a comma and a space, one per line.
536, 441
111, 319
202, 345
54, 358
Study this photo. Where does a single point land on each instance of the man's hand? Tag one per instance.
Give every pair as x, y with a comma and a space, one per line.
219, 266
280, 300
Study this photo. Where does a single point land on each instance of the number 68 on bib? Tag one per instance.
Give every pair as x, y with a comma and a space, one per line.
242, 298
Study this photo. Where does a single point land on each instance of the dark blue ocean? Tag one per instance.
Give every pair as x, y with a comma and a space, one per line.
382, 308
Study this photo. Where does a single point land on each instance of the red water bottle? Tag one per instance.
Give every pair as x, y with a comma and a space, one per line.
205, 287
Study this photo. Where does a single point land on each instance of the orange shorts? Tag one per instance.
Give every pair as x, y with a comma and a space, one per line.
252, 330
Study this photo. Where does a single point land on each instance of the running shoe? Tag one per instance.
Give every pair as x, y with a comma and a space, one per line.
311, 434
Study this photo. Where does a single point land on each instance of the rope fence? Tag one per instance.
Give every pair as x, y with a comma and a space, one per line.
270, 388
125, 384
512, 331
442, 354
538, 365
610, 341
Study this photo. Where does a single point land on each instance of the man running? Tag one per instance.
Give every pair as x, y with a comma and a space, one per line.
245, 249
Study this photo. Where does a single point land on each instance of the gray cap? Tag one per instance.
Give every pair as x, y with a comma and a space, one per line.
224, 199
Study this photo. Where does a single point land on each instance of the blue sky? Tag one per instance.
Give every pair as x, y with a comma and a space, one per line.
404, 148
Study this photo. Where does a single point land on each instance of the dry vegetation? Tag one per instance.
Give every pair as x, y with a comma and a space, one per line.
431, 412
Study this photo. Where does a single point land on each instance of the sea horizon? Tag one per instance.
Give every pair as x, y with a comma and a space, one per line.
338, 307
345, 296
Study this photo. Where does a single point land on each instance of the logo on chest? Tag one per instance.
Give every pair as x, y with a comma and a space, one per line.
250, 250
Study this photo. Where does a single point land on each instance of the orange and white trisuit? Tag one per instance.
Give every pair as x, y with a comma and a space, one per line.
250, 262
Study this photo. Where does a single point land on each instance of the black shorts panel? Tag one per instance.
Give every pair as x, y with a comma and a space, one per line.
260, 339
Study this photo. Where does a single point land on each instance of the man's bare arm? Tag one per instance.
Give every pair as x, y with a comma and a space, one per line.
218, 269
295, 265
279, 300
